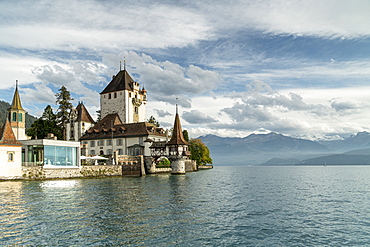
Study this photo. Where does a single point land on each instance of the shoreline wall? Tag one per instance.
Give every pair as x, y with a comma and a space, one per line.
39, 172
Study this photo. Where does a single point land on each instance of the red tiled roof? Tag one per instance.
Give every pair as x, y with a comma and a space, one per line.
7, 136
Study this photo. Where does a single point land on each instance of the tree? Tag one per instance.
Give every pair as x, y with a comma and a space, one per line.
153, 121
199, 152
186, 135
45, 125
65, 107
98, 112
37, 129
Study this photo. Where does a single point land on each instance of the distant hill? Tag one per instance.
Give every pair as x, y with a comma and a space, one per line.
259, 148
278, 149
338, 159
280, 162
359, 141
4, 106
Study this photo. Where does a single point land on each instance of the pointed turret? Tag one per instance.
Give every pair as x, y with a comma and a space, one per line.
178, 146
80, 120
177, 136
16, 104
83, 114
17, 116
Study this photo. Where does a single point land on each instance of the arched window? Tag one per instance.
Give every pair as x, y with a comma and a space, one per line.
20, 117
14, 119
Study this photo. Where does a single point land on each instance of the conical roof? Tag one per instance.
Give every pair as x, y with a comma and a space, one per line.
122, 81
16, 104
7, 136
83, 114
177, 136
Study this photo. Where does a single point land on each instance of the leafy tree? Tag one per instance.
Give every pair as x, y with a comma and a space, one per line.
65, 106
45, 125
186, 135
153, 121
199, 152
164, 162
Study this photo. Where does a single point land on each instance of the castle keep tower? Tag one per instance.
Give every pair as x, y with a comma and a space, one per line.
17, 116
124, 97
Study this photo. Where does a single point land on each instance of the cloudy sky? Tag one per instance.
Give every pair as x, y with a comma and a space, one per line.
300, 68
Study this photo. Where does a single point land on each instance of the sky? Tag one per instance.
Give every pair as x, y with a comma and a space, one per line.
300, 68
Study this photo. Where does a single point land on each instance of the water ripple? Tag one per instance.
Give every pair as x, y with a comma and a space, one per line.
227, 206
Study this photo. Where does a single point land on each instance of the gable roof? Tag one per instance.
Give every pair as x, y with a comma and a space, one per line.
7, 136
112, 123
177, 136
83, 114
121, 81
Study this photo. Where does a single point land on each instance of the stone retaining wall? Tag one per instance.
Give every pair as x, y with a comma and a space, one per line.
39, 172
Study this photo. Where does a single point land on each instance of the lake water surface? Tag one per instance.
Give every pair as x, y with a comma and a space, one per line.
226, 206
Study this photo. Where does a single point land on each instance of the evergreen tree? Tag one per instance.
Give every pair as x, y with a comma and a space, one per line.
153, 121
199, 152
186, 135
65, 106
37, 130
99, 115
45, 125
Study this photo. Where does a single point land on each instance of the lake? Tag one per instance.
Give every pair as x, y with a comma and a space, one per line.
226, 206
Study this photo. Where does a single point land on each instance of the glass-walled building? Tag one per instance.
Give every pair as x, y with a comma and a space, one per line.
50, 153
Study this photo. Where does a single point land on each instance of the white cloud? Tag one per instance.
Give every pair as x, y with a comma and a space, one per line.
162, 113
197, 117
344, 19
17, 67
71, 25
166, 81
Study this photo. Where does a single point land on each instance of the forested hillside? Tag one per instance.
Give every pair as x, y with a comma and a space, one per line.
4, 106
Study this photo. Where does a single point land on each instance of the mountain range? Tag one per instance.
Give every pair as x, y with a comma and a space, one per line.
278, 149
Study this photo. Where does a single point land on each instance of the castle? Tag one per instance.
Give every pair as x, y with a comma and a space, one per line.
121, 132
122, 129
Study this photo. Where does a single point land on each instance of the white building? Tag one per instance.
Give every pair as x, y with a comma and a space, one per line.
10, 153
80, 120
110, 135
124, 97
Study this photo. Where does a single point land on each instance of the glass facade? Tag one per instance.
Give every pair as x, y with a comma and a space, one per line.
60, 156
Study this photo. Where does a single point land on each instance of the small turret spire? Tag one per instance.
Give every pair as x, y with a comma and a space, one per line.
124, 64
16, 104
120, 65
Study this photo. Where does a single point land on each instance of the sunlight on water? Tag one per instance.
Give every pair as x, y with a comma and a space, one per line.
59, 183
226, 206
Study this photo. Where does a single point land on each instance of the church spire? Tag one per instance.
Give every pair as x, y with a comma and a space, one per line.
177, 137
16, 104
